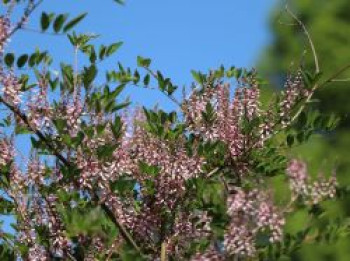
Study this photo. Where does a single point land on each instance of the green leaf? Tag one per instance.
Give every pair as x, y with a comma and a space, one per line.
238, 73
117, 91
136, 77
22, 130
59, 21
44, 21
121, 2
53, 83
123, 185
35, 143
146, 80
37, 57
9, 59
60, 124
143, 62
297, 221
148, 169
121, 106
290, 140
21, 61
73, 22
198, 77
231, 72
32, 59
93, 56
106, 151
89, 75
302, 119
113, 48
116, 127
102, 52
6, 206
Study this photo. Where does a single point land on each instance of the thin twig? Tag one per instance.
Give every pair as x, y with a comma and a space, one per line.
171, 97
308, 99
317, 71
28, 11
71, 256
41, 32
288, 24
41, 135
335, 75
341, 80
163, 255
302, 25
121, 228
75, 76
211, 173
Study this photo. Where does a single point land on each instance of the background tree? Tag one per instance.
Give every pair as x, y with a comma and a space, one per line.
328, 23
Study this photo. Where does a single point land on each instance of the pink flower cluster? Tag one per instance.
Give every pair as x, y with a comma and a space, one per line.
294, 90
302, 185
39, 111
251, 212
11, 88
4, 31
225, 125
34, 209
7, 152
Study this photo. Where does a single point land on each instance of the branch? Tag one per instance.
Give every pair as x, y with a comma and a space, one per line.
214, 171
41, 32
171, 97
71, 257
333, 77
317, 71
308, 98
42, 137
341, 80
163, 255
28, 11
303, 27
125, 234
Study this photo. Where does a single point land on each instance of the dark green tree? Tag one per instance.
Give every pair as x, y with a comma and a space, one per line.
328, 25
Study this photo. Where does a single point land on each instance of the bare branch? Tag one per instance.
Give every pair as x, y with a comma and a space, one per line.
341, 80
171, 97
41, 135
28, 11
163, 255
41, 32
303, 27
334, 77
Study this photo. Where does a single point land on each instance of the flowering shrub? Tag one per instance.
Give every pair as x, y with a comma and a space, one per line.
107, 183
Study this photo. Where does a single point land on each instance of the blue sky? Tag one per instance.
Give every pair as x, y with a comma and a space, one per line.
178, 35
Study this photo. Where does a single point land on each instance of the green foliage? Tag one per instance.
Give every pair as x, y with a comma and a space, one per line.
143, 62
330, 146
59, 22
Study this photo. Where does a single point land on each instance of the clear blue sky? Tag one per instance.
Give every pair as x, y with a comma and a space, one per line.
178, 36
